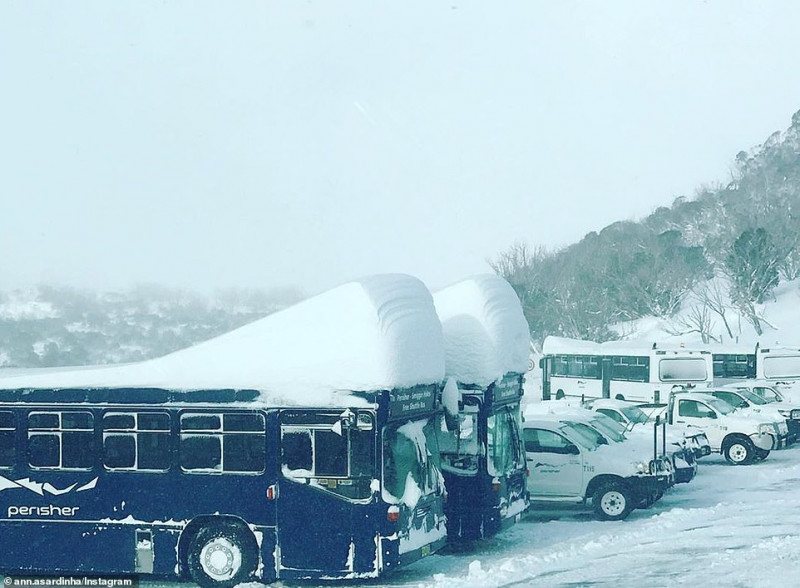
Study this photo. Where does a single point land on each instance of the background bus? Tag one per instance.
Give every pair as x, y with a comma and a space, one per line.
625, 370
779, 365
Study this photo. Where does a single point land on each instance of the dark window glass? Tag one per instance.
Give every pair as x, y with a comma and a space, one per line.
119, 421
154, 451
200, 422
43, 450
244, 422
119, 451
77, 420
7, 420
296, 450
362, 451
7, 452
77, 450
330, 454
201, 452
153, 421
43, 420
244, 453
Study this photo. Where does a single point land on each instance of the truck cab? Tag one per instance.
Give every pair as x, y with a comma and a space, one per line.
570, 467
746, 401
742, 438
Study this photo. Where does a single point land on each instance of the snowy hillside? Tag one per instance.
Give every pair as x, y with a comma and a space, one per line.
51, 326
700, 320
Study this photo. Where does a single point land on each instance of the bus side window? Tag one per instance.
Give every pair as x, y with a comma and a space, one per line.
8, 425
62, 440
136, 441
228, 443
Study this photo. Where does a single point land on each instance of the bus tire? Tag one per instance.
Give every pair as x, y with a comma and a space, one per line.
619, 397
222, 556
560, 394
612, 501
739, 450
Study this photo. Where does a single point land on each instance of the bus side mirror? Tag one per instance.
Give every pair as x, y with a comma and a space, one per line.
541, 362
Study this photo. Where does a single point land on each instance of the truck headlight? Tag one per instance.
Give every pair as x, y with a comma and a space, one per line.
764, 429
642, 468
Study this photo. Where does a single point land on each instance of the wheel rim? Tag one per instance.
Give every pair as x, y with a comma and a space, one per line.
221, 559
738, 452
613, 503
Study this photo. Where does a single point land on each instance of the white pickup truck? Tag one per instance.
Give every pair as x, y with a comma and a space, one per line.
772, 396
747, 402
741, 438
568, 466
684, 446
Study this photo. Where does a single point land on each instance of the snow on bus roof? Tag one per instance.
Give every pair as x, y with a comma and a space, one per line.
485, 332
377, 333
563, 345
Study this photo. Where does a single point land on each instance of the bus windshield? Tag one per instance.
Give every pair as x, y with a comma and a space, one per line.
685, 369
411, 466
460, 447
787, 366
503, 441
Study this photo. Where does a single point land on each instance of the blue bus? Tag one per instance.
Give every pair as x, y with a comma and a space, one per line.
213, 486
483, 461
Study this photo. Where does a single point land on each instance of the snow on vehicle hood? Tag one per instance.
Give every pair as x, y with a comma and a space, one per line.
485, 332
377, 333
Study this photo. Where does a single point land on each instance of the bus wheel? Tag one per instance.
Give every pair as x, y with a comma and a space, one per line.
560, 394
619, 397
612, 502
222, 556
739, 451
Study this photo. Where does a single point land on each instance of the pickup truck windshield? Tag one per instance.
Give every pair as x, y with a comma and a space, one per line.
720, 406
754, 398
768, 394
579, 437
608, 429
635, 414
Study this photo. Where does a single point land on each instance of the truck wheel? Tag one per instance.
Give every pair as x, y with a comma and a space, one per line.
222, 556
612, 502
740, 451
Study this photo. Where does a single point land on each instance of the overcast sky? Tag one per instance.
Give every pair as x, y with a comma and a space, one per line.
307, 143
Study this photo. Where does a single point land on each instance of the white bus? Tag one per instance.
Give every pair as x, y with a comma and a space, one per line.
625, 370
779, 365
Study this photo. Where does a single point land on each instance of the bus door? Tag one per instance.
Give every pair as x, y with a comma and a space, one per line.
605, 371
545, 364
324, 491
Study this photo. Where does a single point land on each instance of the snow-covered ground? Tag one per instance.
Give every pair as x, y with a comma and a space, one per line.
731, 526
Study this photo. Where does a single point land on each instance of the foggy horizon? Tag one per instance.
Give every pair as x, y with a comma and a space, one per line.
300, 146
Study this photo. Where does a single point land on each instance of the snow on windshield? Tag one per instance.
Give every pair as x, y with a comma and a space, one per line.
579, 437
411, 465
685, 369
719, 405
635, 414
782, 367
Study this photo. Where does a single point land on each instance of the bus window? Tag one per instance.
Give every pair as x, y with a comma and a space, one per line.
61, 440
231, 443
339, 462
689, 369
136, 441
782, 366
7, 445
460, 447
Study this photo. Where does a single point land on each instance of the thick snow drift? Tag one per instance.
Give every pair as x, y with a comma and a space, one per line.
381, 332
485, 332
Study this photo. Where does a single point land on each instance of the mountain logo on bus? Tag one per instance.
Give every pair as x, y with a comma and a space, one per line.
46, 487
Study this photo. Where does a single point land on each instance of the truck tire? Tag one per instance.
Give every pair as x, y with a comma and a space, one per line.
739, 451
222, 556
612, 502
